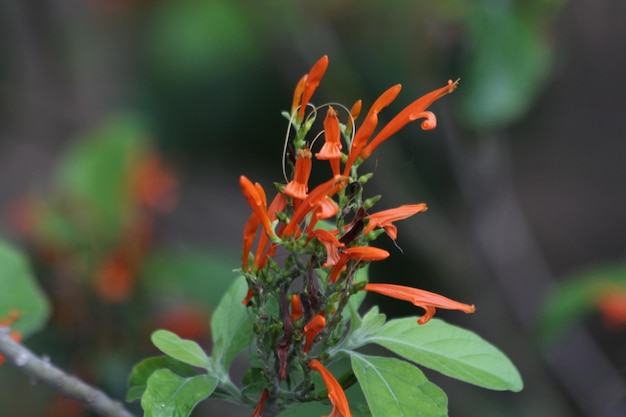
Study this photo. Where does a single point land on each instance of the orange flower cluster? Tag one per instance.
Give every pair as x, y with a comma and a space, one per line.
310, 240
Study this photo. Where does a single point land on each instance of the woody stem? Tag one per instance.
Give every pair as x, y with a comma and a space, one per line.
67, 385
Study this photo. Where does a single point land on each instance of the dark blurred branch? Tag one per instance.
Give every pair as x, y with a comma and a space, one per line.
69, 386
503, 241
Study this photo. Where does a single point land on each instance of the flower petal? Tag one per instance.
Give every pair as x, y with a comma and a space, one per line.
410, 113
310, 85
335, 393
420, 298
312, 329
386, 218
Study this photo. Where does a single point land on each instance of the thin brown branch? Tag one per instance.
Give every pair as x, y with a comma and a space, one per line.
43, 371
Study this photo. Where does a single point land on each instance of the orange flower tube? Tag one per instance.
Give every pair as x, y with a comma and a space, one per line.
255, 196
249, 233
277, 205
386, 218
412, 112
420, 298
313, 200
311, 82
369, 125
331, 244
312, 329
299, 186
355, 111
331, 150
258, 411
335, 393
296, 307
362, 253
297, 94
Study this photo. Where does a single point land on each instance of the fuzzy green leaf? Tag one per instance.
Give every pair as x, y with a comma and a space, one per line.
397, 388
363, 327
170, 395
138, 380
231, 324
451, 350
20, 291
186, 351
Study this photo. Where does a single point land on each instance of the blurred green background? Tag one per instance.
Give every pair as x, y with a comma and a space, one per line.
124, 125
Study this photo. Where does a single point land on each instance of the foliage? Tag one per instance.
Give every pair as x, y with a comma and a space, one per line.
21, 292
295, 307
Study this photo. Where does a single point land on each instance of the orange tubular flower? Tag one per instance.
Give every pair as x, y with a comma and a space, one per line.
335, 393
412, 112
311, 82
255, 196
325, 210
316, 197
331, 150
296, 307
249, 233
369, 125
248, 297
297, 94
420, 298
258, 411
312, 329
355, 111
365, 253
386, 218
299, 186
331, 243
385, 99
277, 205
360, 138
361, 253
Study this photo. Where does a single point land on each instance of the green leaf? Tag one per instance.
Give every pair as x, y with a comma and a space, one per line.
252, 381
451, 350
186, 351
507, 64
397, 388
231, 324
363, 328
319, 408
20, 291
138, 380
170, 395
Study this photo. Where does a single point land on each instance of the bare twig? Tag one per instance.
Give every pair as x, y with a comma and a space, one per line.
67, 385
